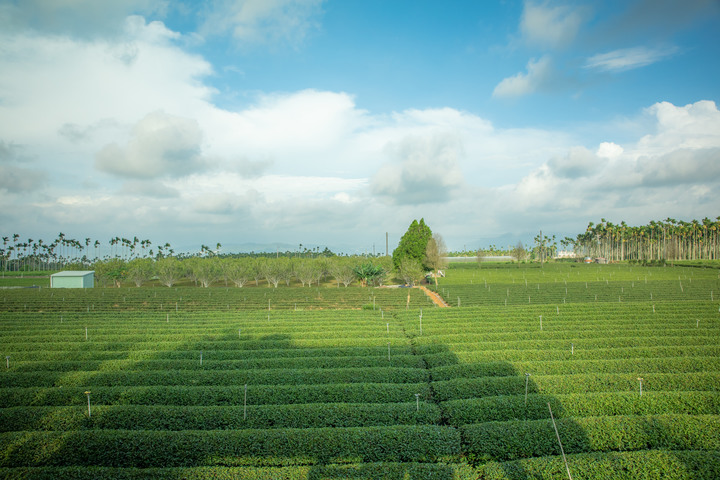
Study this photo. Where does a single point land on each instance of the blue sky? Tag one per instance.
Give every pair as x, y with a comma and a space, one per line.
333, 122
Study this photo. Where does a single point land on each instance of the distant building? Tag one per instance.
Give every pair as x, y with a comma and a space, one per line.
73, 279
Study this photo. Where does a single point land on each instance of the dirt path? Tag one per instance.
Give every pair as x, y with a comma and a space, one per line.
437, 299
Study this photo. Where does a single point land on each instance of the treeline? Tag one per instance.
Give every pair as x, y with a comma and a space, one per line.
668, 239
241, 271
62, 252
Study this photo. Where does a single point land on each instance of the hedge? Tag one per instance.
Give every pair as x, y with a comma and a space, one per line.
144, 417
535, 438
388, 471
513, 407
220, 395
648, 465
284, 376
143, 449
564, 384
578, 366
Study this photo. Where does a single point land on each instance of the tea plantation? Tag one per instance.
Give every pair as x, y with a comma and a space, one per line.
376, 383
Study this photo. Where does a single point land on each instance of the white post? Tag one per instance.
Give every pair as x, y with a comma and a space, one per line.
201, 357
86, 333
88, 397
572, 349
640, 380
7, 360
245, 404
417, 402
527, 381
540, 322
167, 318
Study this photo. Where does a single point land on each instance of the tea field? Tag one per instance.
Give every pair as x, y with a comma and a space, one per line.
351, 383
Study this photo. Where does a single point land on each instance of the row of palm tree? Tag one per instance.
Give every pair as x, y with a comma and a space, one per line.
669, 239
17, 254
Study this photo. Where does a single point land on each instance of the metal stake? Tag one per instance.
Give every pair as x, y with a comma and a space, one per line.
88, 397
527, 381
557, 434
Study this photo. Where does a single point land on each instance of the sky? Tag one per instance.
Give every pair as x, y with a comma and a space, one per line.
329, 123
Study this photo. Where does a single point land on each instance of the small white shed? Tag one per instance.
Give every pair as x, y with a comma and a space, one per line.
73, 279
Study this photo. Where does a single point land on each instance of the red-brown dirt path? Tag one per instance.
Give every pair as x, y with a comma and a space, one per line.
437, 299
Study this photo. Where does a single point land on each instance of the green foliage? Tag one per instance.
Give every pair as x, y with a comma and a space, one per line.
111, 271
523, 439
413, 244
648, 464
369, 273
411, 271
169, 270
143, 449
371, 470
140, 270
322, 387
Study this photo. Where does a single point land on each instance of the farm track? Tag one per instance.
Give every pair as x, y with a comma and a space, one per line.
436, 299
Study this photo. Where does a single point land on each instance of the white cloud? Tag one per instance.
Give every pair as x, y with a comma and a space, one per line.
423, 170
609, 150
695, 125
550, 26
539, 76
682, 166
263, 21
49, 82
84, 18
675, 171
160, 144
579, 162
628, 58
18, 179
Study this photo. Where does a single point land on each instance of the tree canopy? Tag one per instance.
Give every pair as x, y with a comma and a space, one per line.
413, 244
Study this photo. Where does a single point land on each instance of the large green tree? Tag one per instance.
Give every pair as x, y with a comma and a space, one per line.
413, 244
